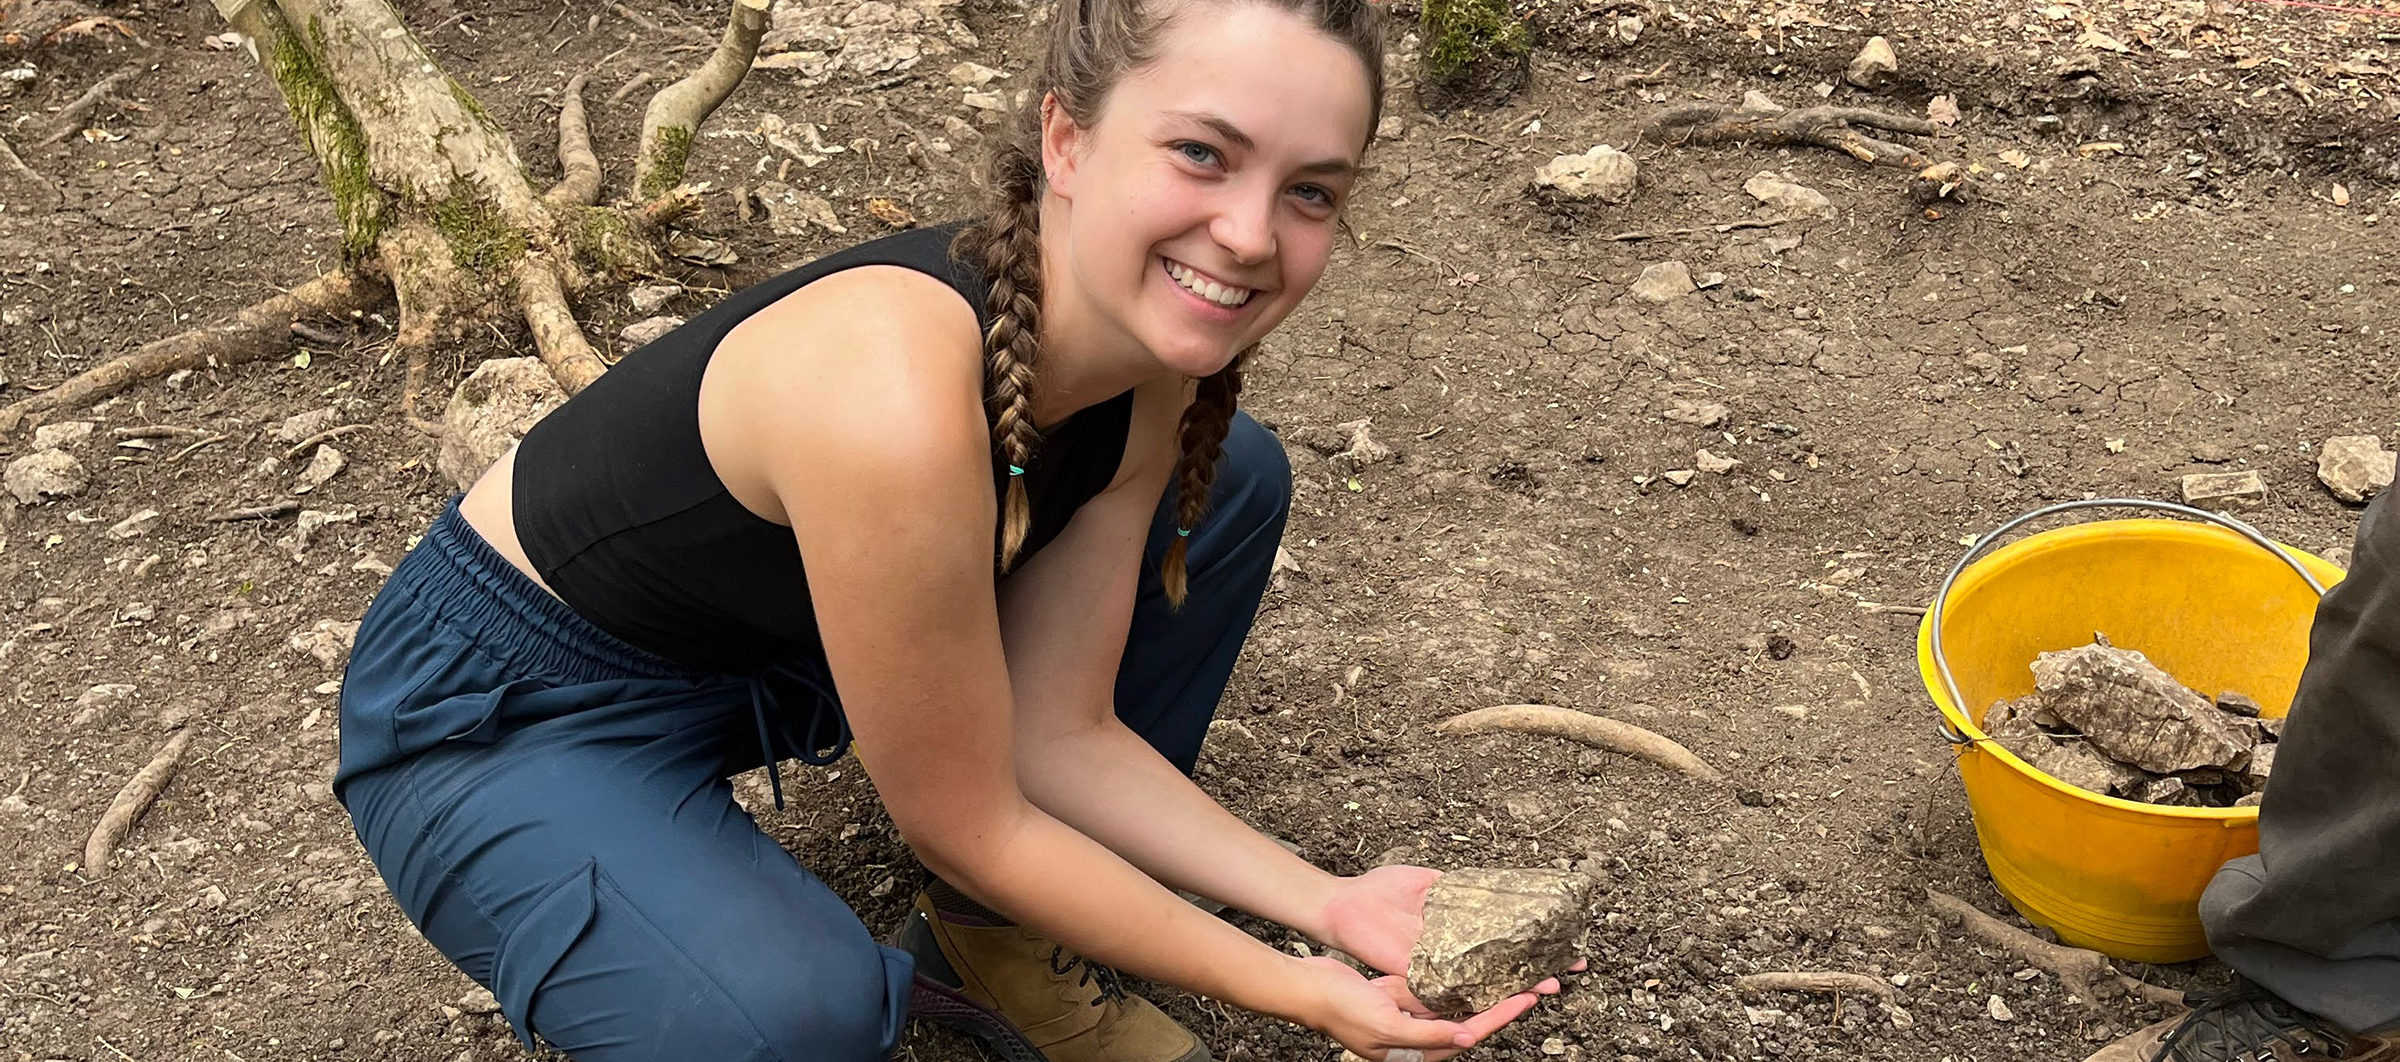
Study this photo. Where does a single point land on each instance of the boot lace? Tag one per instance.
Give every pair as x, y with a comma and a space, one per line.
1110, 983
2247, 1023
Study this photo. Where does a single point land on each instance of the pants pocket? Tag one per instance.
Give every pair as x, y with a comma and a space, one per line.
532, 948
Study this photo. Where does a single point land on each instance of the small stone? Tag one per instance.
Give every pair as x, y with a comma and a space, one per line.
1663, 282
1629, 28
479, 1001
1705, 281
177, 379
44, 474
61, 436
100, 703
1796, 711
299, 426
1994, 1006
1708, 462
1602, 173
2128, 708
1681, 477
1492, 933
325, 464
329, 641
1876, 66
134, 526
490, 411
2338, 556
1390, 127
1554, 1046
1697, 414
1363, 449
2224, 490
2241, 704
644, 332
1788, 199
973, 75
1754, 100
651, 298
792, 212
2355, 467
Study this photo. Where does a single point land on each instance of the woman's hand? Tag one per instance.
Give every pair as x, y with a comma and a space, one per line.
1377, 916
1375, 1017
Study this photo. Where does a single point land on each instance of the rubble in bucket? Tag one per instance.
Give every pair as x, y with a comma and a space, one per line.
2108, 720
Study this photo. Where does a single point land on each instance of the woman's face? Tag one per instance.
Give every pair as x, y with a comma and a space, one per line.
1202, 204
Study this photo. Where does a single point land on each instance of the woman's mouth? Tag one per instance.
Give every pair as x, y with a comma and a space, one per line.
1197, 283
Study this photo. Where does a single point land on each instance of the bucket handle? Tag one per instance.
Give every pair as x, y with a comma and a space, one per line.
1941, 660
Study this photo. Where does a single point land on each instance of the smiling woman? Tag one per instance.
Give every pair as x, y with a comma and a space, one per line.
1036, 530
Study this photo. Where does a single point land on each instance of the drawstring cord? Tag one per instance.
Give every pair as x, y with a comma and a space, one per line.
828, 734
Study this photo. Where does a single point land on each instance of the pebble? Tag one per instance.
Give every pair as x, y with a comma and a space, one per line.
644, 332
2231, 490
651, 298
134, 526
2355, 467
1711, 463
1663, 282
1999, 1009
1788, 199
61, 436
1697, 414
1681, 477
1876, 66
45, 474
325, 464
1602, 173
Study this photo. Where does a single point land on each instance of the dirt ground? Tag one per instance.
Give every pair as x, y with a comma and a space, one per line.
2199, 297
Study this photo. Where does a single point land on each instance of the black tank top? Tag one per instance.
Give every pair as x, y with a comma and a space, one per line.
620, 511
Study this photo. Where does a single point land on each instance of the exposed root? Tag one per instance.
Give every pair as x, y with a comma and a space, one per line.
1720, 227
678, 203
1592, 730
34, 25
556, 335
1838, 128
676, 112
581, 185
131, 801
70, 118
256, 332
9, 155
2085, 973
269, 511
328, 435
632, 85
412, 384
1833, 984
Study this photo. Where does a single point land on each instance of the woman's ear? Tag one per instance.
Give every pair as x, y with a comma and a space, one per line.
1062, 145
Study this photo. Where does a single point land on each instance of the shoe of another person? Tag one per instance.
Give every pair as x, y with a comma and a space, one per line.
1030, 1000
2246, 1023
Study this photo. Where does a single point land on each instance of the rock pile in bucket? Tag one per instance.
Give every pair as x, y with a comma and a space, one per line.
2108, 720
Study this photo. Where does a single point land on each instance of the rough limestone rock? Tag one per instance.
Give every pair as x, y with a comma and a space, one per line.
1492, 933
1603, 173
1787, 199
646, 331
490, 411
45, 474
1697, 414
299, 426
1663, 282
2355, 467
1875, 67
2224, 490
62, 436
651, 298
1363, 449
2135, 712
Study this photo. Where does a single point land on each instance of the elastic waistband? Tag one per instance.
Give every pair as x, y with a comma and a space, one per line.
479, 590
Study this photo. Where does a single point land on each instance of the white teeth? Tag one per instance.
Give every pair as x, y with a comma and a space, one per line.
1205, 288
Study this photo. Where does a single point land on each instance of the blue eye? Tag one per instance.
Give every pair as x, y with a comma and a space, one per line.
1198, 153
1321, 195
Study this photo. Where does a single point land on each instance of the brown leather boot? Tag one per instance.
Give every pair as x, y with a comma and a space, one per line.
2245, 1024
1028, 998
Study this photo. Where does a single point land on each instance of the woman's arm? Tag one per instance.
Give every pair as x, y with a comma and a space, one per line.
1064, 617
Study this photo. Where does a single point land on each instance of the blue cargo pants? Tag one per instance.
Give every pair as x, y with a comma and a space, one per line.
551, 806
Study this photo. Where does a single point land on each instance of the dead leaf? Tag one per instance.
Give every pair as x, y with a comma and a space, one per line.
2092, 38
890, 212
1942, 110
2016, 158
2101, 147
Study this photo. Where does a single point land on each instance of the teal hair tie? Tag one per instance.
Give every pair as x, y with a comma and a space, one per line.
1015, 471
1183, 532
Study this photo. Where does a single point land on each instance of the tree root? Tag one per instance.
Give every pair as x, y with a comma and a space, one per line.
70, 118
1827, 983
676, 112
258, 331
35, 25
581, 184
1829, 127
9, 155
1549, 721
328, 435
556, 336
2085, 973
131, 801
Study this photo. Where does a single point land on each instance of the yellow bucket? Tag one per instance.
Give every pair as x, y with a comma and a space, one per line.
2220, 608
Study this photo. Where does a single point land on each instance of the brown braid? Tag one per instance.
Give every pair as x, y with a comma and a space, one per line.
1007, 245
1205, 423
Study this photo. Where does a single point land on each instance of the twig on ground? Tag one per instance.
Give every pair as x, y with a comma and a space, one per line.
269, 511
1829, 127
1405, 248
319, 336
2084, 972
189, 450
1593, 730
131, 801
1835, 984
1647, 77
307, 444
157, 431
70, 117
646, 22
632, 85
1721, 227
1896, 610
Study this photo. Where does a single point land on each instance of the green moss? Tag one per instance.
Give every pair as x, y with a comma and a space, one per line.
334, 134
667, 158
604, 238
475, 107
481, 240
1465, 36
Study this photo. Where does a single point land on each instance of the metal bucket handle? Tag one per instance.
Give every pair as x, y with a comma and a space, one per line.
1941, 660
